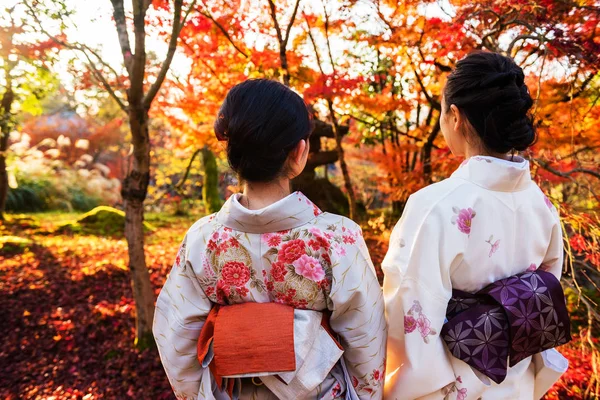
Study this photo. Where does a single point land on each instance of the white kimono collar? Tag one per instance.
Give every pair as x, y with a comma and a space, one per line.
496, 174
290, 212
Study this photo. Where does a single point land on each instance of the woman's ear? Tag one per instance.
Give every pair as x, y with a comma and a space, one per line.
457, 117
297, 158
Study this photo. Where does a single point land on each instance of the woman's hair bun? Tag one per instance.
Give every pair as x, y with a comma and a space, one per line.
490, 90
262, 121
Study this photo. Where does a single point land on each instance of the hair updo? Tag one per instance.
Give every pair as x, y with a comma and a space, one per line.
262, 121
489, 89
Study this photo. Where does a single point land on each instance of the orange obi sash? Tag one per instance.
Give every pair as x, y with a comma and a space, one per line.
250, 339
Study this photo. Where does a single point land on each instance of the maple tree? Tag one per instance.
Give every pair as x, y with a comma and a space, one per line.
136, 104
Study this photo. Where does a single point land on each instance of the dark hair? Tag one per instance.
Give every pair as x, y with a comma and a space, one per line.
262, 121
489, 89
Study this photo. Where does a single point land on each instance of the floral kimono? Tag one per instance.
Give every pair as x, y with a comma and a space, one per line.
291, 253
487, 222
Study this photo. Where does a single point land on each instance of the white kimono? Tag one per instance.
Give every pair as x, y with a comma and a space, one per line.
291, 253
486, 222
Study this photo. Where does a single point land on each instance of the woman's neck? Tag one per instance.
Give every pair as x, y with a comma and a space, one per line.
260, 195
474, 151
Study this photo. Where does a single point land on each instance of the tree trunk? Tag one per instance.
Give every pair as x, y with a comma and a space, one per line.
5, 128
210, 189
135, 189
343, 165
427, 147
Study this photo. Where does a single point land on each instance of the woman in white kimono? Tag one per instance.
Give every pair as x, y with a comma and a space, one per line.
268, 245
488, 221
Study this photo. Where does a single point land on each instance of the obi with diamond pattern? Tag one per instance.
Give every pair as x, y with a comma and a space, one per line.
506, 322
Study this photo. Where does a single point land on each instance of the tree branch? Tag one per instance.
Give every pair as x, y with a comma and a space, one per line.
84, 50
121, 24
289, 28
224, 31
433, 102
178, 24
520, 37
547, 167
275, 22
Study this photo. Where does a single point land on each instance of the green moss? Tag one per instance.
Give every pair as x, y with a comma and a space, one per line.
102, 220
12, 245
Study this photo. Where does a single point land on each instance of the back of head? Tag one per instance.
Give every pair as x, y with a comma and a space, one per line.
489, 89
262, 121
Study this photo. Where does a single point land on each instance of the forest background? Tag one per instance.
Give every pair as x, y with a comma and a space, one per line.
107, 153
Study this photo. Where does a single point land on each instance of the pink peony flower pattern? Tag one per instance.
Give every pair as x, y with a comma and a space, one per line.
309, 267
410, 324
415, 320
463, 219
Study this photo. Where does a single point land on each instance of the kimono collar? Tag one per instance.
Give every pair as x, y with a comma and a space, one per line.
495, 173
290, 212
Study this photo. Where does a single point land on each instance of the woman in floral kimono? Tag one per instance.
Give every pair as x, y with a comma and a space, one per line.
488, 221
267, 245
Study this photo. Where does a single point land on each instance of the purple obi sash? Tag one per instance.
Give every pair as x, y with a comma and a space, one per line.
510, 319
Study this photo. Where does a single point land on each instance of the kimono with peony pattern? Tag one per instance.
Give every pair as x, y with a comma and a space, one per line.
291, 253
488, 221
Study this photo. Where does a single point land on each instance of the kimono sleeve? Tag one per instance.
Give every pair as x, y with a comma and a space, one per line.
553, 260
417, 289
181, 309
358, 317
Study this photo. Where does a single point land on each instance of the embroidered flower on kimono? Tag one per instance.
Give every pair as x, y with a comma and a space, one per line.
272, 239
316, 231
424, 326
209, 291
278, 271
319, 242
337, 389
309, 267
291, 251
410, 324
243, 291
223, 290
316, 211
235, 273
348, 239
340, 250
212, 245
494, 246
326, 258
354, 381
233, 242
462, 394
377, 375
463, 219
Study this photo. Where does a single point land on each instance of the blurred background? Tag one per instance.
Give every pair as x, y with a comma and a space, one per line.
107, 153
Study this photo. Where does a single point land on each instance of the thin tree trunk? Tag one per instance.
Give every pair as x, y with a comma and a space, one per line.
210, 189
427, 147
343, 165
5, 128
135, 189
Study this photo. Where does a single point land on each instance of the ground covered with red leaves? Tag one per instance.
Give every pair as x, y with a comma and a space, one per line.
68, 321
